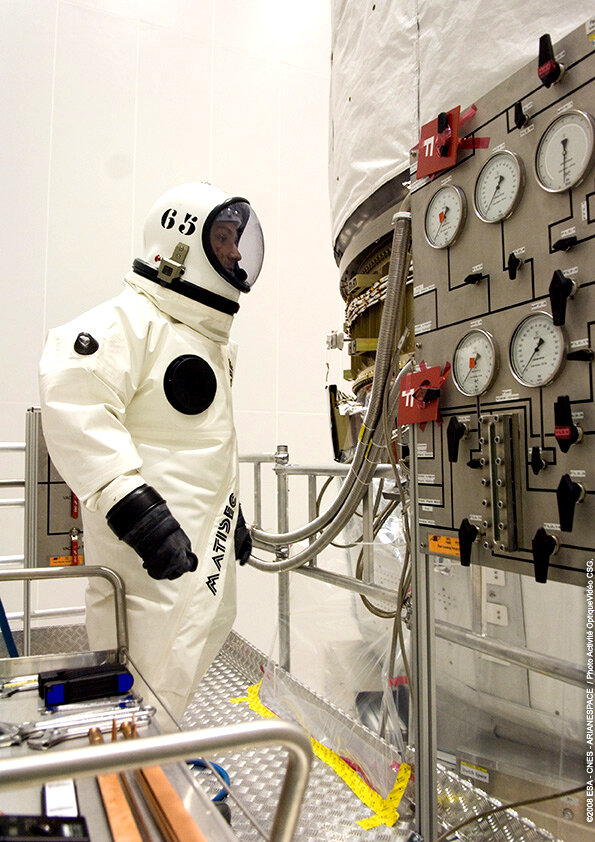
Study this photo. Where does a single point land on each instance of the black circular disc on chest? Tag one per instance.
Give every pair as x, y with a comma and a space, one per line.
190, 384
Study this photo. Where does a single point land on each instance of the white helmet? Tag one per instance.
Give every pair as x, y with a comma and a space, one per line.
197, 238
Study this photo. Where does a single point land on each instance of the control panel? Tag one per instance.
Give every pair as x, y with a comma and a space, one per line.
53, 519
503, 257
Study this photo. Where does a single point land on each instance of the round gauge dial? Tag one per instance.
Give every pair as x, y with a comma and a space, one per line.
475, 362
537, 350
499, 186
565, 152
445, 216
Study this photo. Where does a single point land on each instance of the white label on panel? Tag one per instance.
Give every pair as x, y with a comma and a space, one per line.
423, 328
470, 770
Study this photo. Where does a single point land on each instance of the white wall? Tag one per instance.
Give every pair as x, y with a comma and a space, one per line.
107, 103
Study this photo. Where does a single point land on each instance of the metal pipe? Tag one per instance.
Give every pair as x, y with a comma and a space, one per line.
535, 661
349, 583
49, 613
12, 483
119, 756
32, 430
381, 470
11, 559
282, 458
312, 508
424, 679
257, 457
82, 572
368, 534
12, 502
12, 446
257, 471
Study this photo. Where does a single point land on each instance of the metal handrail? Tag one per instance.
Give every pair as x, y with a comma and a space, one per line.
116, 757
42, 573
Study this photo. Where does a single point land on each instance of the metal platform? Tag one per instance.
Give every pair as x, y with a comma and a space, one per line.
330, 810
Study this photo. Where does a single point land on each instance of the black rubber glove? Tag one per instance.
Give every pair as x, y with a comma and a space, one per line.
242, 539
143, 520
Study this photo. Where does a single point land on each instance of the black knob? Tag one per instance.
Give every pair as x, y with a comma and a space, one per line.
514, 264
520, 118
584, 355
568, 494
455, 431
474, 463
443, 126
537, 461
565, 430
549, 70
543, 547
565, 243
561, 289
473, 278
428, 394
467, 535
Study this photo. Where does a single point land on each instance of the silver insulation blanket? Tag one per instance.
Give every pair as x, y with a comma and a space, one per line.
397, 63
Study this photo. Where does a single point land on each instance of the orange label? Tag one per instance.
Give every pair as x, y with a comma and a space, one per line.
61, 560
444, 545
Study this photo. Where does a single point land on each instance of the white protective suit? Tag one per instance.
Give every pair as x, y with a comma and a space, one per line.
110, 428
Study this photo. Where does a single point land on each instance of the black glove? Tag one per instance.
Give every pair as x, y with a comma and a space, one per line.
242, 539
143, 520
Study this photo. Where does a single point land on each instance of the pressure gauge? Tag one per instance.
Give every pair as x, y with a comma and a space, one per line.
499, 186
565, 152
475, 362
445, 216
537, 350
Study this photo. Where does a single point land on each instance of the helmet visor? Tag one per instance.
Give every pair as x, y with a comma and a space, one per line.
233, 242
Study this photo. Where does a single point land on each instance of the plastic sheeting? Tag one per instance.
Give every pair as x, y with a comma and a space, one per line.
342, 653
397, 63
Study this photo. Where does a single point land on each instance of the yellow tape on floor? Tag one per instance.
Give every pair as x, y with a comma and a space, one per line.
384, 809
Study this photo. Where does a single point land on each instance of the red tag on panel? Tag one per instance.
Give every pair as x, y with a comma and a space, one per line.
438, 144
419, 398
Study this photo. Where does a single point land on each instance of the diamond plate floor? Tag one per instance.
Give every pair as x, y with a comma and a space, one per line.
329, 811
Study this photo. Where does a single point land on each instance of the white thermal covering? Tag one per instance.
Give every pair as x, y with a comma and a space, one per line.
396, 64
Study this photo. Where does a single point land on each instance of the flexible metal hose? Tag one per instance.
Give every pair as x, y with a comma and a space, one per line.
352, 501
391, 319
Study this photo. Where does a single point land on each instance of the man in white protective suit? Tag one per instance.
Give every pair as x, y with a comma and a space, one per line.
137, 414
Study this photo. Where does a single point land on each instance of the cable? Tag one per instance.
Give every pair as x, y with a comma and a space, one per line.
202, 764
391, 318
444, 836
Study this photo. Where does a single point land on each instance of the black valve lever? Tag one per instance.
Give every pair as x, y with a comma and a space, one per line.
514, 264
561, 289
583, 355
538, 463
568, 494
443, 127
543, 547
467, 536
549, 70
520, 118
565, 430
455, 431
565, 243
473, 278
